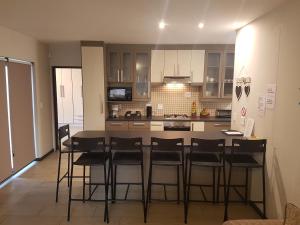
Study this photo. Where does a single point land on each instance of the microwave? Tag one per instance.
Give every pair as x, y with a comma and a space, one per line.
119, 94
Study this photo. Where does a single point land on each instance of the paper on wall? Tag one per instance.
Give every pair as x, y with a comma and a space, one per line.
261, 105
249, 128
270, 96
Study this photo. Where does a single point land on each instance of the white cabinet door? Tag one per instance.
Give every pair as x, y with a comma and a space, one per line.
77, 96
156, 126
197, 66
93, 87
197, 126
59, 94
184, 62
170, 63
67, 91
157, 65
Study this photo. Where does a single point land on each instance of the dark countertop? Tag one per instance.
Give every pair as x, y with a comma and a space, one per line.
161, 118
146, 135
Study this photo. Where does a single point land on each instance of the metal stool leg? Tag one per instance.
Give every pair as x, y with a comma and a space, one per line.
148, 198
106, 216
188, 192
143, 192
246, 185
70, 191
58, 177
178, 186
214, 185
69, 154
218, 184
83, 185
227, 194
115, 182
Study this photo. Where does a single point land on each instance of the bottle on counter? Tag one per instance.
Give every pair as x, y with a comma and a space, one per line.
194, 109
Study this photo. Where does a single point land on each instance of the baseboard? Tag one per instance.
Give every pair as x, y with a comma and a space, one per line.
45, 156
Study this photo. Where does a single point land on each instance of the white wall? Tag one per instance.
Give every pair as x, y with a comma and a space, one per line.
65, 54
19, 46
269, 50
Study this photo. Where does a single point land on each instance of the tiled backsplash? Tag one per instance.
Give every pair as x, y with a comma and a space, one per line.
177, 101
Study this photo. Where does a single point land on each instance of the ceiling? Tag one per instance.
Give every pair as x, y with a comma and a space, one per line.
132, 21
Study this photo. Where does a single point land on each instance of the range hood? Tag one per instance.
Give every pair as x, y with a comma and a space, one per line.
177, 79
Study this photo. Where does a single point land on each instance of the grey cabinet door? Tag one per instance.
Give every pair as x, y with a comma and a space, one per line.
227, 78
212, 79
126, 67
141, 75
114, 65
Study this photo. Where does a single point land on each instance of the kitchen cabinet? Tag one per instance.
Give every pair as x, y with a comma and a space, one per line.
184, 58
157, 66
218, 78
170, 63
117, 125
138, 125
93, 87
197, 66
141, 85
157, 126
120, 65
197, 126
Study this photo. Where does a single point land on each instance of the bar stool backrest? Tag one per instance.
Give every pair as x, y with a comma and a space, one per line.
88, 145
63, 131
126, 144
161, 144
249, 146
207, 145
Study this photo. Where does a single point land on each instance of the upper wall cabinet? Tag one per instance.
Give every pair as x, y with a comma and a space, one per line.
120, 65
218, 78
157, 66
188, 63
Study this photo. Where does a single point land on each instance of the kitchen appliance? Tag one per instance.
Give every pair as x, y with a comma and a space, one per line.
149, 111
177, 79
133, 115
177, 122
223, 113
114, 113
119, 94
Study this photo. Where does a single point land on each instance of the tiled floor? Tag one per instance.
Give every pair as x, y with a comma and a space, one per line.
30, 200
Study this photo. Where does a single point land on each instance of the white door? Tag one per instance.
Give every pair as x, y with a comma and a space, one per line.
157, 65
184, 62
197, 66
93, 87
67, 98
77, 96
170, 63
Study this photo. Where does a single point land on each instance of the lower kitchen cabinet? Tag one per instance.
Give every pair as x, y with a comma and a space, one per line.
157, 126
216, 126
116, 125
138, 125
197, 126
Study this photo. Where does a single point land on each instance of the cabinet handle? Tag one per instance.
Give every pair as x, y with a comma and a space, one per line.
62, 91
178, 69
221, 125
156, 125
174, 72
118, 75
138, 124
101, 104
192, 127
116, 124
122, 75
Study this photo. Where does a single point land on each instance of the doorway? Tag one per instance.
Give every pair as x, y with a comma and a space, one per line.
68, 101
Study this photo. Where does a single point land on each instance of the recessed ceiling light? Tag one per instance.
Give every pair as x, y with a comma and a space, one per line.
162, 25
201, 25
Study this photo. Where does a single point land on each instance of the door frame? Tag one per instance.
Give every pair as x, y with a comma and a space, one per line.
55, 112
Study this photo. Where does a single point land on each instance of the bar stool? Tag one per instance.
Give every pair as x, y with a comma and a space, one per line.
166, 152
63, 132
205, 153
127, 152
92, 154
246, 154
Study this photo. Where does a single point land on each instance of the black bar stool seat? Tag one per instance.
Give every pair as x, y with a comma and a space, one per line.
90, 159
242, 160
204, 159
67, 142
166, 158
131, 158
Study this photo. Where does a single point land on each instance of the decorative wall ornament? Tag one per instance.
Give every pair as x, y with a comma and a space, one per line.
247, 81
238, 88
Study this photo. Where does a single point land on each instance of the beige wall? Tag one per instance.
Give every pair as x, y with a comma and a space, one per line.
19, 46
269, 49
65, 54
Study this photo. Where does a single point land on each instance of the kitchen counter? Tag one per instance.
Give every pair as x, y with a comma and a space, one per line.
161, 118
